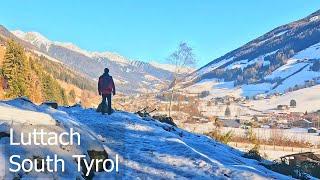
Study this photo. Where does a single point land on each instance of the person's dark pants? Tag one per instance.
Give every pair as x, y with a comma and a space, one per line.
104, 98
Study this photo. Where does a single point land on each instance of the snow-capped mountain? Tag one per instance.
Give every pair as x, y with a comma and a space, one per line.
146, 148
284, 59
34, 38
127, 72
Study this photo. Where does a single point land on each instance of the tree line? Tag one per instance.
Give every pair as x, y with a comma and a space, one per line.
24, 76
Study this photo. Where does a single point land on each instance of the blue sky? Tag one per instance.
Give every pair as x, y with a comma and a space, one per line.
150, 30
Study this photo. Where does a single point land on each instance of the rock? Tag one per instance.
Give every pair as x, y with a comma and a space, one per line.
164, 119
4, 134
54, 105
103, 108
93, 154
103, 155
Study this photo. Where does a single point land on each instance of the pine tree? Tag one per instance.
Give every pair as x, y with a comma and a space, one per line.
293, 103
64, 98
14, 70
227, 111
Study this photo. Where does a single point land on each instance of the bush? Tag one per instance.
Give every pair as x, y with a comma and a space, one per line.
227, 112
217, 135
253, 153
293, 103
204, 94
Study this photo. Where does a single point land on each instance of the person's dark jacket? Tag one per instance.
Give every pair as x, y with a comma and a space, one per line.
106, 85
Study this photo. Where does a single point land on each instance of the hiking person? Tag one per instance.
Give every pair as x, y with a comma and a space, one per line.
105, 88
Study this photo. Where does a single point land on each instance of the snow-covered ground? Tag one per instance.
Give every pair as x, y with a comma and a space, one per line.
308, 99
147, 149
294, 73
312, 52
215, 87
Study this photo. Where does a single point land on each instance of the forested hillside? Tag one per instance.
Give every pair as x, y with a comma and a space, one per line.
26, 74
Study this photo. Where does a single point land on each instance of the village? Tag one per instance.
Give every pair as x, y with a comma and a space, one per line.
282, 127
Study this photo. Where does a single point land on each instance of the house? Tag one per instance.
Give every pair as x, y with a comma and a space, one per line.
240, 99
231, 123
282, 107
228, 98
269, 96
259, 97
218, 100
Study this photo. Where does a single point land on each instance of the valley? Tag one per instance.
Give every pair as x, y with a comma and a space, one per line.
270, 86
262, 96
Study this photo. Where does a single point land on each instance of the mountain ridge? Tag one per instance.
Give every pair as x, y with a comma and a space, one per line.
264, 36
131, 76
256, 61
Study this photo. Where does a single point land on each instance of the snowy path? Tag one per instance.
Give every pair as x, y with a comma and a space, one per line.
150, 149
147, 149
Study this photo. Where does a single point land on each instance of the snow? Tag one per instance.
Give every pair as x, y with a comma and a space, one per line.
254, 89
214, 66
215, 87
295, 72
314, 18
239, 64
147, 149
308, 99
111, 56
244, 63
281, 33
23, 116
285, 70
219, 88
72, 47
33, 37
297, 79
272, 37
39, 40
151, 78
46, 56
171, 68
312, 52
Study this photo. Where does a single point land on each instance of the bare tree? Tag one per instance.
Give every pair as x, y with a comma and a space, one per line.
181, 58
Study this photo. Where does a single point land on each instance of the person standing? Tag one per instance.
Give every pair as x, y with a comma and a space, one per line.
106, 87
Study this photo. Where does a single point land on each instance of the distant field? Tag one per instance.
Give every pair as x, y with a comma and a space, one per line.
308, 99
272, 152
297, 134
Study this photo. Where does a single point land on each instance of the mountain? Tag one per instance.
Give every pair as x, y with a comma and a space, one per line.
25, 71
147, 148
131, 76
282, 60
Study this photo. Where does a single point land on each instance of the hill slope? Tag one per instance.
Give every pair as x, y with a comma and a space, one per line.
146, 147
41, 75
279, 61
